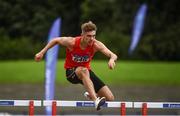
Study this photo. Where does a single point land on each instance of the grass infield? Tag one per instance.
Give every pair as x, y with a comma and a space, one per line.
125, 72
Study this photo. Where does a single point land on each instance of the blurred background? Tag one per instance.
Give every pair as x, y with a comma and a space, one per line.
149, 73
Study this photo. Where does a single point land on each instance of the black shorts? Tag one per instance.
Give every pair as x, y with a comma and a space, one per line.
73, 78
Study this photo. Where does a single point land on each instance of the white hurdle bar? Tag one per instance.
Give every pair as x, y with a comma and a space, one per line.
29, 103
168, 105
114, 104
19, 102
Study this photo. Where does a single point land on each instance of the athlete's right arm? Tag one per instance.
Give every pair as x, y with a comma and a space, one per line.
64, 41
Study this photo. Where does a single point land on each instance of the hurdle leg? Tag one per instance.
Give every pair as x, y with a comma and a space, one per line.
123, 109
144, 109
54, 108
31, 108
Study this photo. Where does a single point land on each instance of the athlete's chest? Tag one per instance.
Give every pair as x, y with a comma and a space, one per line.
79, 55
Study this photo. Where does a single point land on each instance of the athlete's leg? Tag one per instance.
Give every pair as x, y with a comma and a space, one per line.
101, 89
106, 92
83, 74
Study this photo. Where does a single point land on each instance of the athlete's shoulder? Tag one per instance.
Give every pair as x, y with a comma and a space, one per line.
71, 41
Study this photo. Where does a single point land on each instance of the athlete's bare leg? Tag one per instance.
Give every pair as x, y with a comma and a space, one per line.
106, 92
83, 75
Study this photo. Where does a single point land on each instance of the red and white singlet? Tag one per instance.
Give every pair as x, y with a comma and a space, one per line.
78, 57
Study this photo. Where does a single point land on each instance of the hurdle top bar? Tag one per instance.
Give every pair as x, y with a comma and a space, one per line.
169, 105
85, 104
19, 102
115, 104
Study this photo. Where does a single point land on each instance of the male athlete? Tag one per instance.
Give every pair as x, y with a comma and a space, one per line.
79, 53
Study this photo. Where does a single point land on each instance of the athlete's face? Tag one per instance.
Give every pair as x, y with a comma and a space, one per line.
89, 37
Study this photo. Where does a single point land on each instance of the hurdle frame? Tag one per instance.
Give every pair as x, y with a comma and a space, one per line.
28, 103
112, 104
144, 106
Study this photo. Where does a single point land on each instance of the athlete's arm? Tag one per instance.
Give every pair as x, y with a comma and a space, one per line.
99, 46
63, 41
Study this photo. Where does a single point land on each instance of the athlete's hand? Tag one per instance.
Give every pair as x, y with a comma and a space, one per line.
111, 64
38, 57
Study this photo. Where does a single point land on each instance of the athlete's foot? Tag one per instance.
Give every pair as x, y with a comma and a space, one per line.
99, 102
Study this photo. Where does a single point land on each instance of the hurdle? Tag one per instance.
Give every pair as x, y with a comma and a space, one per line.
29, 103
115, 104
144, 106
161, 105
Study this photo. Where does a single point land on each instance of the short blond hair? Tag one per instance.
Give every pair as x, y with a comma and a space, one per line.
89, 26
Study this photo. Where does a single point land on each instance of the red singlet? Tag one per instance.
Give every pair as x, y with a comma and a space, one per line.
77, 56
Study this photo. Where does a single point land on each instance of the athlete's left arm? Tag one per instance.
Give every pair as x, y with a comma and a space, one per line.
99, 46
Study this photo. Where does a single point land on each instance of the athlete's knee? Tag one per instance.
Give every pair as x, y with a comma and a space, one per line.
106, 92
81, 71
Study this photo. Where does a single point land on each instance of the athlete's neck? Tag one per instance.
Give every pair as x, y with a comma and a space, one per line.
83, 44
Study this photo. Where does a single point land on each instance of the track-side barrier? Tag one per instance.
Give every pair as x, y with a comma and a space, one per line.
144, 106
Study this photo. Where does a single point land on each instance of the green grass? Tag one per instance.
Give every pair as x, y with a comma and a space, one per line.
143, 73
125, 73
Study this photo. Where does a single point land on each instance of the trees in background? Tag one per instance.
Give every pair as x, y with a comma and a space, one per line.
24, 25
